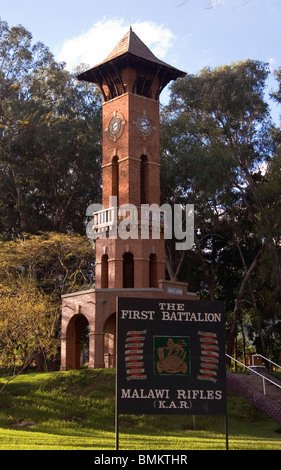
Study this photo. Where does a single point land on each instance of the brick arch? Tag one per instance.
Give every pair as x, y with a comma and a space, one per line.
74, 330
104, 271
144, 179
153, 270
131, 247
109, 329
128, 270
115, 177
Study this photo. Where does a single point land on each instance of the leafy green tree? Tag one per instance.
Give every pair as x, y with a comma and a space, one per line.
218, 146
50, 156
57, 263
50, 140
27, 327
34, 271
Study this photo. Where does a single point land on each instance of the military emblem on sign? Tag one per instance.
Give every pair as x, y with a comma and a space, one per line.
171, 355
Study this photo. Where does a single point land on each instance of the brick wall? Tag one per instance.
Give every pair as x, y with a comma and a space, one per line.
129, 148
260, 401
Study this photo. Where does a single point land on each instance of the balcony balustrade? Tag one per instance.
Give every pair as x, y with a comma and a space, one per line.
108, 221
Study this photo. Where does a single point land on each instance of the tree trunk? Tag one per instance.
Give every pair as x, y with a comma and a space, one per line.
235, 314
208, 279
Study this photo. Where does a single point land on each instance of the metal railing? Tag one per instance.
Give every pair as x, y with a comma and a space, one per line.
265, 359
257, 373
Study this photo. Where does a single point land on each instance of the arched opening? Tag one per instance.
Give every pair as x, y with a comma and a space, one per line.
115, 178
153, 274
77, 346
143, 85
109, 341
144, 180
128, 270
104, 272
84, 346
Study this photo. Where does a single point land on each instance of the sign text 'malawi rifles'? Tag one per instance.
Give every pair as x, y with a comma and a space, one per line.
165, 394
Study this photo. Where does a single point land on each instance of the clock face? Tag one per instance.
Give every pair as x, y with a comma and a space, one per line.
115, 127
144, 125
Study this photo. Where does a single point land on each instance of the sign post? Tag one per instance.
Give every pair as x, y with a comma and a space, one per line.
170, 358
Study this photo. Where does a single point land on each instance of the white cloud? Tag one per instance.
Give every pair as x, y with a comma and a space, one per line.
156, 37
215, 3
272, 64
93, 46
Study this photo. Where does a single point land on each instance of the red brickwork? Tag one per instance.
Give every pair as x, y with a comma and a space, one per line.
131, 171
129, 148
141, 250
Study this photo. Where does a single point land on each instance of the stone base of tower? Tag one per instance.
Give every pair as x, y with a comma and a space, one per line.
96, 309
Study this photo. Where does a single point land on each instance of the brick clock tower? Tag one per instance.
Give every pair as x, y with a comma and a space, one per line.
130, 79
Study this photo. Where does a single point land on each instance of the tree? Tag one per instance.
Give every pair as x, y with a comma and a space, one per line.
27, 327
56, 263
50, 140
218, 144
34, 271
50, 155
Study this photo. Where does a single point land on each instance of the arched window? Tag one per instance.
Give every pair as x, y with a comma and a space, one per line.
104, 272
128, 270
115, 178
144, 180
153, 275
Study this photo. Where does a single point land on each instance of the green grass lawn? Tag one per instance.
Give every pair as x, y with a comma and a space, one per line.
75, 411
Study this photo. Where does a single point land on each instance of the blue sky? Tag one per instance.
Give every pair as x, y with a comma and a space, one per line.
188, 34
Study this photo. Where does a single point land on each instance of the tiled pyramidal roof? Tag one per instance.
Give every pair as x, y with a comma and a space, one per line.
130, 51
131, 44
